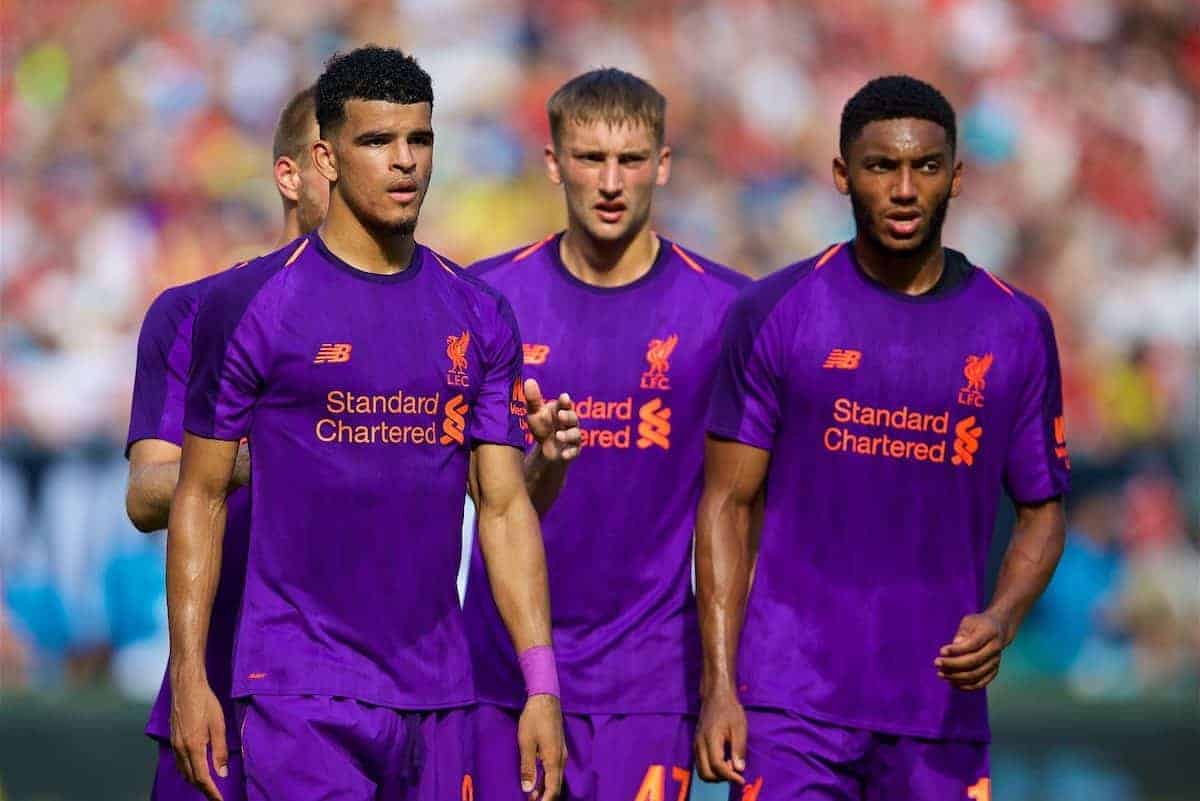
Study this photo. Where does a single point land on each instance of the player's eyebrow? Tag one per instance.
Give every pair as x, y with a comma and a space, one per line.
375, 134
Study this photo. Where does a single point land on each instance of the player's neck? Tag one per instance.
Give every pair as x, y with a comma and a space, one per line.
608, 264
291, 227
909, 273
383, 253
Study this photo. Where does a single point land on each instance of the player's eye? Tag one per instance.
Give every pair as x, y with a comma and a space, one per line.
931, 166
633, 160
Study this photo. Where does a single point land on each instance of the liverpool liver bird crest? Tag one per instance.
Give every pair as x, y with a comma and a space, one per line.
456, 349
976, 369
659, 354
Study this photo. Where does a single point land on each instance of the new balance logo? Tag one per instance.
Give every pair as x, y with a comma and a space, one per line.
966, 441
654, 426
455, 424
332, 353
843, 359
535, 354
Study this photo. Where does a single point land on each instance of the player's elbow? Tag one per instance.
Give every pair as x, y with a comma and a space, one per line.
138, 514
142, 513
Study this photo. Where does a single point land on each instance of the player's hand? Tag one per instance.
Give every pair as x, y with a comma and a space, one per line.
197, 722
540, 739
972, 659
553, 424
721, 738
241, 467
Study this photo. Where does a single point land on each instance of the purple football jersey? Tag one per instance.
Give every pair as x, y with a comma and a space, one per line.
639, 361
159, 388
892, 422
362, 396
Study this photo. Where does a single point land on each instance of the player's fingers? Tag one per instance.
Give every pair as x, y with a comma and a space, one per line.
737, 746
533, 396
722, 767
181, 759
567, 418
986, 680
968, 661
565, 402
572, 436
703, 768
220, 749
966, 677
552, 763
528, 770
198, 759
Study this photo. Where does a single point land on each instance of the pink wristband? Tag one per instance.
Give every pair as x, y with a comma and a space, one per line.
539, 670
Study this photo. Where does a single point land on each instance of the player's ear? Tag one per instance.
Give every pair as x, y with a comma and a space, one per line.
552, 168
287, 178
664, 166
841, 175
956, 180
324, 160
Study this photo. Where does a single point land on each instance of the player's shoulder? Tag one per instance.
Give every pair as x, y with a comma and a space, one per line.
1020, 308
497, 267
764, 297
477, 292
175, 304
705, 269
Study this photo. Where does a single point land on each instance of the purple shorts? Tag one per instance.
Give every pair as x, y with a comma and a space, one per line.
169, 784
793, 758
609, 757
339, 749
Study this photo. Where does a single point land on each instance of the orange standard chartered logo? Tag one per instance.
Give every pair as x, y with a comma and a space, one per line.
654, 425
975, 372
658, 354
966, 441
454, 424
456, 349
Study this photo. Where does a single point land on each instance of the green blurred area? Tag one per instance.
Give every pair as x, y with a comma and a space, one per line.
90, 747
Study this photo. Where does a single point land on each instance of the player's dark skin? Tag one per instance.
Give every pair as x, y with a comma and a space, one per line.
900, 173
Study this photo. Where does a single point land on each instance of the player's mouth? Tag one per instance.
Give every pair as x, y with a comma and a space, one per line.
610, 211
404, 193
903, 224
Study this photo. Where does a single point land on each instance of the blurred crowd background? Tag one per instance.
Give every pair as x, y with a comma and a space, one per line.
135, 154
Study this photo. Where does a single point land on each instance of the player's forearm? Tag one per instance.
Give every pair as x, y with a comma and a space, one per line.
723, 566
148, 497
1029, 563
544, 480
194, 543
511, 542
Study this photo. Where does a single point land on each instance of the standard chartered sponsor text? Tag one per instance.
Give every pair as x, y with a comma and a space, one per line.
345, 429
895, 446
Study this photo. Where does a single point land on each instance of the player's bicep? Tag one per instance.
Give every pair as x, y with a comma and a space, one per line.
734, 470
150, 452
206, 465
498, 478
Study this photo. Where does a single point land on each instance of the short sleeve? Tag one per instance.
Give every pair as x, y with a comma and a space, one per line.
229, 358
160, 377
744, 405
499, 414
1037, 466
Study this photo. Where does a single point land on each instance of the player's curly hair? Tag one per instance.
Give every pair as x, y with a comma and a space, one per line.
369, 73
892, 97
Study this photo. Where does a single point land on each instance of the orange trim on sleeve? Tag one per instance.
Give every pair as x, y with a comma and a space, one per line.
999, 283
296, 253
445, 266
827, 256
688, 260
529, 251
